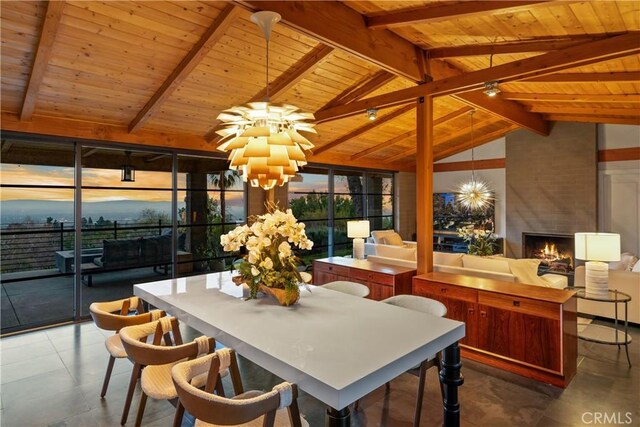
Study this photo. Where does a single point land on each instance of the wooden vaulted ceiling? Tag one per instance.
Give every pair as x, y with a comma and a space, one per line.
158, 73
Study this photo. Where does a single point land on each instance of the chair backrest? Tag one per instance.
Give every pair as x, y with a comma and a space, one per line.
351, 288
418, 303
113, 315
214, 409
134, 341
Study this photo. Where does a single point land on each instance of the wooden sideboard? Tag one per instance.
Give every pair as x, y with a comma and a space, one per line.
382, 280
525, 329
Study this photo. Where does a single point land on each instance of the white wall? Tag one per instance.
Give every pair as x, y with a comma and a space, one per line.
445, 182
619, 187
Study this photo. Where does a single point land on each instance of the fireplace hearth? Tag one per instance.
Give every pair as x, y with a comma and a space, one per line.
555, 251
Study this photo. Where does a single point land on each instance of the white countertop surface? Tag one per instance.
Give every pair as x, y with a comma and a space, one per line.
336, 347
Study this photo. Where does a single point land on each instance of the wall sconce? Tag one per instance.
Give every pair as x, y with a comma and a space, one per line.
372, 113
128, 171
491, 88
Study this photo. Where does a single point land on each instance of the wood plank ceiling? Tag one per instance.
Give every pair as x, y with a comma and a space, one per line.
159, 73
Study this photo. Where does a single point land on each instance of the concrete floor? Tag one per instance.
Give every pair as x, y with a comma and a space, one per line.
53, 378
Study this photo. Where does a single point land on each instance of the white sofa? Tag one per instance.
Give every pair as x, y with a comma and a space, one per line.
496, 268
624, 281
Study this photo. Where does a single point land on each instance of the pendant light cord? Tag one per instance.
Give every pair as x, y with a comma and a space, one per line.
268, 70
473, 174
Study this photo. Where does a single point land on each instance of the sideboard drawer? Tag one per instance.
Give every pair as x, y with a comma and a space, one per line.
334, 269
372, 276
521, 305
424, 288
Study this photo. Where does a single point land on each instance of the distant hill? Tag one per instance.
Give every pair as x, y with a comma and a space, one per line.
12, 211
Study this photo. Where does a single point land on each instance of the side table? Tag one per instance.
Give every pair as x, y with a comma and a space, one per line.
606, 334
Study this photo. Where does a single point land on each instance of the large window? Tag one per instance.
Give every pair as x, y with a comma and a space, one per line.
165, 221
325, 199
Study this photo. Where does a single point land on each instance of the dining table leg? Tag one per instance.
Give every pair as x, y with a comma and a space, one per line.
338, 418
451, 378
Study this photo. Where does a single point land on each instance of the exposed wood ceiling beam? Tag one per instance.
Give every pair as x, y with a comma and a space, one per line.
285, 81
358, 91
341, 27
385, 144
199, 51
412, 133
408, 152
535, 45
587, 111
594, 119
386, 49
443, 12
619, 77
366, 128
565, 97
341, 160
548, 63
47, 37
499, 163
447, 152
296, 73
89, 130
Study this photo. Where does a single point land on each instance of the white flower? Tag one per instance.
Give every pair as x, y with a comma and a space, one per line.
254, 271
253, 257
284, 250
267, 263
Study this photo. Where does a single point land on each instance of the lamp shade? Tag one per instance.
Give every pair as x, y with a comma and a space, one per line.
357, 229
597, 246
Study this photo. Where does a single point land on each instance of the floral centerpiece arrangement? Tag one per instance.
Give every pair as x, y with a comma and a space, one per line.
480, 242
270, 264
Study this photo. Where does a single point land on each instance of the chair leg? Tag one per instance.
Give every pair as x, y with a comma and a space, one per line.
177, 420
141, 405
419, 397
107, 376
439, 365
132, 386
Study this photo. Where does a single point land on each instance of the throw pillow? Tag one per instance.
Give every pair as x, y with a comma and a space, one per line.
393, 238
526, 271
626, 263
487, 264
378, 235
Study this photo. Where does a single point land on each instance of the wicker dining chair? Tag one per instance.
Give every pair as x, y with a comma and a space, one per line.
113, 316
250, 409
153, 362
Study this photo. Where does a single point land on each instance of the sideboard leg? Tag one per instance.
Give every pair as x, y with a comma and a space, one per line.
451, 379
338, 418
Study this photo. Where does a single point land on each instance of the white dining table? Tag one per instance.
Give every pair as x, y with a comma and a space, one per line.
334, 346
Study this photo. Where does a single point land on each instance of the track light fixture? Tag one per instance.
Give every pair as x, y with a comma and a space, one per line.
491, 88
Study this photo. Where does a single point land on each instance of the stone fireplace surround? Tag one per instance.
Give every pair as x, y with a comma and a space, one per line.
551, 183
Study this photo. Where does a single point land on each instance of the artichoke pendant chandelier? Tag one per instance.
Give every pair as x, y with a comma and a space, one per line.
474, 194
263, 138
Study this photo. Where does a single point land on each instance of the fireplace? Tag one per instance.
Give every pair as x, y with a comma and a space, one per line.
555, 251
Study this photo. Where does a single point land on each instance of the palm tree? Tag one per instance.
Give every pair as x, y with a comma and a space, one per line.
224, 180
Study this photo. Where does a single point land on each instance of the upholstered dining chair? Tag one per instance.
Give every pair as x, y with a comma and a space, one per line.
250, 409
351, 288
113, 316
424, 305
153, 362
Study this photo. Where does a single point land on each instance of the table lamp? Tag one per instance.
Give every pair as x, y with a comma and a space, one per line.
358, 230
597, 249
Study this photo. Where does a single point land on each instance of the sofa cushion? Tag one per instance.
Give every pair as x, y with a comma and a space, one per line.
450, 259
120, 253
389, 251
489, 264
378, 235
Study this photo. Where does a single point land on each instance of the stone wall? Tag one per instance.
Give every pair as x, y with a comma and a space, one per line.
551, 182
